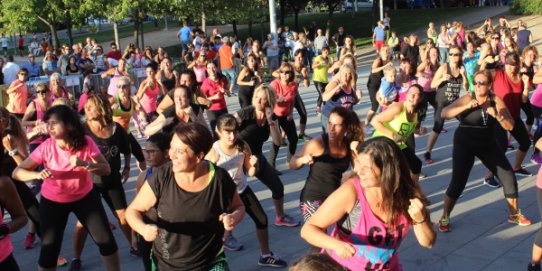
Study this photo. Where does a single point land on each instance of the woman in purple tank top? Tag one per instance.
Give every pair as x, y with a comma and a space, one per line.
364, 213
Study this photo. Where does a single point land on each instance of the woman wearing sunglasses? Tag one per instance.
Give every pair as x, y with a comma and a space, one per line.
450, 78
479, 113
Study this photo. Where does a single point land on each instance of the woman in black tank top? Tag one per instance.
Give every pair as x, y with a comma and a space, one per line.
328, 156
449, 80
377, 72
479, 114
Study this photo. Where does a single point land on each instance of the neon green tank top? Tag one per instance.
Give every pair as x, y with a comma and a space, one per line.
401, 126
320, 74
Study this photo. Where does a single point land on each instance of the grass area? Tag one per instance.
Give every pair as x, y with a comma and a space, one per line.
402, 21
124, 31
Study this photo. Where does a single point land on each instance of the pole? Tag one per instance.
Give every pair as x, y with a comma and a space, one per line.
381, 10
272, 17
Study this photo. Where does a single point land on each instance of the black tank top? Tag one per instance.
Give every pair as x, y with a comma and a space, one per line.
168, 83
375, 78
325, 174
476, 126
248, 78
449, 90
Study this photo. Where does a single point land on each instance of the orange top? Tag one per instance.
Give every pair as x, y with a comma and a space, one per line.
17, 99
226, 57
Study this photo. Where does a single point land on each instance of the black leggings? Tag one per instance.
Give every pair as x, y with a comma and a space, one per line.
429, 98
254, 208
413, 161
491, 156
9, 264
526, 107
519, 133
212, 116
538, 238
245, 96
144, 247
136, 148
30, 204
288, 126
300, 108
54, 216
321, 88
114, 196
537, 112
439, 121
372, 89
267, 175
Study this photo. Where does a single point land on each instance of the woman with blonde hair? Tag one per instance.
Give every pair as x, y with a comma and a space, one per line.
340, 91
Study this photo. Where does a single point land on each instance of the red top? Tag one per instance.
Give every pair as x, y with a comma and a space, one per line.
20, 42
116, 55
509, 91
209, 55
210, 88
284, 108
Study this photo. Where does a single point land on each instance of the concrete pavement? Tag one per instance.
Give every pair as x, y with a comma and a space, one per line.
481, 237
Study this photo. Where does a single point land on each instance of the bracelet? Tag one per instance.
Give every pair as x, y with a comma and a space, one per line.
87, 166
414, 223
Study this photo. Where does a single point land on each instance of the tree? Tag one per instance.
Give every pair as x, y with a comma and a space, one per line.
332, 5
526, 7
297, 5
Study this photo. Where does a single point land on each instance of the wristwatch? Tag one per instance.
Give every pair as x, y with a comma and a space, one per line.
12, 152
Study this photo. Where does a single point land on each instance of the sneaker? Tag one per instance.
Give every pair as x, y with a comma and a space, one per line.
61, 261
304, 137
519, 219
286, 221
230, 243
536, 159
491, 181
29, 240
427, 158
522, 172
444, 224
75, 265
134, 252
271, 260
443, 131
533, 267
112, 226
277, 172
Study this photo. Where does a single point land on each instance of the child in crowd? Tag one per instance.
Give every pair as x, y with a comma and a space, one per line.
388, 89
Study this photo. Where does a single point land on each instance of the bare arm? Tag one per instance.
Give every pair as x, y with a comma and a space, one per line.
157, 125
250, 163
164, 104
386, 116
143, 202
9, 199
315, 147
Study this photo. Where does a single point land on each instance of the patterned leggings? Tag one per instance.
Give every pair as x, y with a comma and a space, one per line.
309, 207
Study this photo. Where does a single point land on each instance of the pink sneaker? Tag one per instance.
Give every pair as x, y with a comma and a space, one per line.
29, 240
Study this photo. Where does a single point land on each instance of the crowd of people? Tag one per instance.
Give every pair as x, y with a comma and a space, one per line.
76, 148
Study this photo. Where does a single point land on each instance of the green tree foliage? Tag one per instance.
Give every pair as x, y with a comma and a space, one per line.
526, 6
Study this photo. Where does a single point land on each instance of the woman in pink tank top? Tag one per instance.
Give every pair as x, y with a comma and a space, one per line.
370, 227
10, 201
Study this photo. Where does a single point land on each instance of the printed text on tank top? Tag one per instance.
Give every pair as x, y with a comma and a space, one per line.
452, 87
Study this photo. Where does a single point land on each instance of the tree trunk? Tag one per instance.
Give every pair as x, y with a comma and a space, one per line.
250, 28
69, 27
136, 32
52, 28
203, 23
142, 37
296, 19
234, 25
282, 12
70, 35
116, 34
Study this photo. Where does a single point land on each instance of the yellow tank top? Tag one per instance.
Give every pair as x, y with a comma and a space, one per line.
122, 116
401, 126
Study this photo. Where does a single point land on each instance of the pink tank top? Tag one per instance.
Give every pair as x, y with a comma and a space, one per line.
201, 73
112, 88
539, 178
149, 101
5, 244
375, 242
402, 93
40, 113
425, 80
536, 98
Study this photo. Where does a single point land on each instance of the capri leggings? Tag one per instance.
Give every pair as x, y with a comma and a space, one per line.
266, 174
439, 121
54, 216
288, 126
321, 88
30, 204
113, 196
254, 208
429, 98
245, 96
538, 238
491, 156
526, 107
136, 148
373, 89
413, 161
519, 132
300, 107
9, 263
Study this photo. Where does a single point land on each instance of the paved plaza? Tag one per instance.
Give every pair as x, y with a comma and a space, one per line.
481, 238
